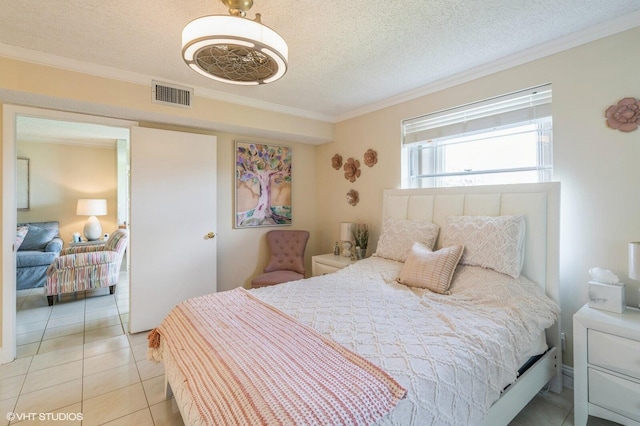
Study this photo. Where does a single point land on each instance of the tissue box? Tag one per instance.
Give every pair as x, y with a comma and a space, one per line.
608, 297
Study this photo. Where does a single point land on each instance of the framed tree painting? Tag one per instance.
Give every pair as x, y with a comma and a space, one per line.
263, 185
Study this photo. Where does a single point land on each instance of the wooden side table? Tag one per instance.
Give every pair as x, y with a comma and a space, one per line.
327, 263
87, 243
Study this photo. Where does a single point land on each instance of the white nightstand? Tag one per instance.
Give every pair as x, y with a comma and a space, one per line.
606, 365
327, 263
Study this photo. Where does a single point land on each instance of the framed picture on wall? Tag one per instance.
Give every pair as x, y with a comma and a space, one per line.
262, 185
22, 194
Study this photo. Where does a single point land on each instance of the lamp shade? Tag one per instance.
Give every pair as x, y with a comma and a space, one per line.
91, 207
232, 49
346, 231
634, 260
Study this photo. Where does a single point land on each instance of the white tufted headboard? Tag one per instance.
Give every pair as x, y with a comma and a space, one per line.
539, 203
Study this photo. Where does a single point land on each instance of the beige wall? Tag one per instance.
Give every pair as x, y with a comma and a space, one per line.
60, 175
597, 166
2, 234
243, 253
39, 85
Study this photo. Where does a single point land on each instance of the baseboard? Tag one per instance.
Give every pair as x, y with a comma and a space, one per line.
567, 376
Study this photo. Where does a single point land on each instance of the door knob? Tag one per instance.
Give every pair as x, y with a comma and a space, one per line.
209, 236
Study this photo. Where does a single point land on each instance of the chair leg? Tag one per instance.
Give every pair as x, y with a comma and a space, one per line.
50, 300
112, 289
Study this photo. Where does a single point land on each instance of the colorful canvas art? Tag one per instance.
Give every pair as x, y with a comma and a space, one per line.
263, 185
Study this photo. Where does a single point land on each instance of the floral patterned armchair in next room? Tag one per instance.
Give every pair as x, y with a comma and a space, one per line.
87, 267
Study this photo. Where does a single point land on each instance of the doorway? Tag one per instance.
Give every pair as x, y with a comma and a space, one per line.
77, 128
173, 201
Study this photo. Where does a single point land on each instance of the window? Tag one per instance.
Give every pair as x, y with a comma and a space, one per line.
507, 139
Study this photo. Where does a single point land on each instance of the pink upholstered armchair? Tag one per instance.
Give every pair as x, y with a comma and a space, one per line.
87, 267
287, 258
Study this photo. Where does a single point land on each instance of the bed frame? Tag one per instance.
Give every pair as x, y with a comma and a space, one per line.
540, 205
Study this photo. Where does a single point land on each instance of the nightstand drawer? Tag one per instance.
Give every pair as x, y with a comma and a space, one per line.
615, 394
321, 269
614, 353
328, 263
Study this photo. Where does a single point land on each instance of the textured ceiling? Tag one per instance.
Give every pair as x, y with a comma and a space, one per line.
344, 56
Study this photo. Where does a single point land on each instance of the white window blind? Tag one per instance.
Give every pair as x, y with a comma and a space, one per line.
509, 135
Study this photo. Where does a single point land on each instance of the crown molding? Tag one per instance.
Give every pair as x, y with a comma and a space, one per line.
593, 33
596, 32
47, 59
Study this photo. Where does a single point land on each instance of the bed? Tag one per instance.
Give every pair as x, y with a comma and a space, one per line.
473, 352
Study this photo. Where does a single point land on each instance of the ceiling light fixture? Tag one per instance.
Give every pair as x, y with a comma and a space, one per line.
234, 49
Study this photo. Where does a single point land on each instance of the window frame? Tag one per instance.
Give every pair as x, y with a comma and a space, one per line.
508, 115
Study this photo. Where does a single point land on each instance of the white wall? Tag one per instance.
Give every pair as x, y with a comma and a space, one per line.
597, 166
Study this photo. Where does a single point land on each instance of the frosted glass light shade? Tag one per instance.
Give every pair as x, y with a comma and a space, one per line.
634, 260
234, 50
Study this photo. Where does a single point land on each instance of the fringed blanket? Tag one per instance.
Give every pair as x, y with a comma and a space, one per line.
246, 362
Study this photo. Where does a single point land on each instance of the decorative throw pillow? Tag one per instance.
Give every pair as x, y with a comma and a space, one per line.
22, 232
431, 270
398, 235
494, 242
37, 237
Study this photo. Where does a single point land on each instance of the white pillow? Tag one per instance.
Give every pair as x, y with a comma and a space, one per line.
494, 242
431, 270
398, 235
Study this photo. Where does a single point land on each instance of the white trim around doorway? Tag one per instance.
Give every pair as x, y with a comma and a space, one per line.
9, 217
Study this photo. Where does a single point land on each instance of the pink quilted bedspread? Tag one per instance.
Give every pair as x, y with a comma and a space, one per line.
246, 362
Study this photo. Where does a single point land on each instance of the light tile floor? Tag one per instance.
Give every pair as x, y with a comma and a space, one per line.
76, 359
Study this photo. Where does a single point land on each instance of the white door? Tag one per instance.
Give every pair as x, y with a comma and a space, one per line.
173, 218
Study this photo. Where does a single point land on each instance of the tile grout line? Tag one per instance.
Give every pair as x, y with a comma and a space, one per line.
84, 342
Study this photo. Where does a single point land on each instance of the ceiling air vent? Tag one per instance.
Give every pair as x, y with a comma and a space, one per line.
170, 94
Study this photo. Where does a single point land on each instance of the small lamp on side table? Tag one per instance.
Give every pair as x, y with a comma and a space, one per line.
92, 207
346, 236
634, 261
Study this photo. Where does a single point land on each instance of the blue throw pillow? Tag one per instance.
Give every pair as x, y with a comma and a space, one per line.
37, 238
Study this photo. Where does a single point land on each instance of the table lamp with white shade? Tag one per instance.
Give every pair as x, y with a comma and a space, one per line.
346, 236
92, 207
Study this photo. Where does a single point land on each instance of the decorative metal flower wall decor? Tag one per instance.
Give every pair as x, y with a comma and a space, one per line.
624, 116
352, 169
336, 161
353, 197
370, 158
